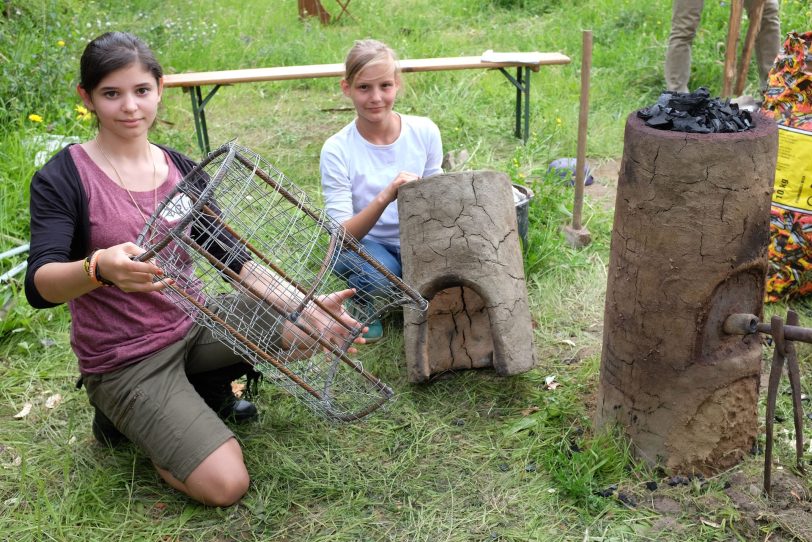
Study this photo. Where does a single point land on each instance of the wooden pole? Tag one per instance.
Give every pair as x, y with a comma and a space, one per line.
576, 235
752, 31
733, 28
583, 118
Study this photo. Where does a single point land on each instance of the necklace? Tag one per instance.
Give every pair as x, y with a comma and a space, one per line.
124, 186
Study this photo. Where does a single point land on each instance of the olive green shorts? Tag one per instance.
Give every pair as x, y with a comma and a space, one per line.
153, 404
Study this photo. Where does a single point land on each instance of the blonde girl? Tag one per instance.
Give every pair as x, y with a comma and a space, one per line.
363, 165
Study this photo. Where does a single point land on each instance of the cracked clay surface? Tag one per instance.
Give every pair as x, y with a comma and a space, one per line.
688, 248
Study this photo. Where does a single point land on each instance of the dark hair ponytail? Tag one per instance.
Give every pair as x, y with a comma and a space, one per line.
110, 52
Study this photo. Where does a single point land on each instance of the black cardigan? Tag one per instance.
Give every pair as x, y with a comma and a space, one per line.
60, 230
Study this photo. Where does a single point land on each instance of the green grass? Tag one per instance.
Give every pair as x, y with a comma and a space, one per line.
472, 457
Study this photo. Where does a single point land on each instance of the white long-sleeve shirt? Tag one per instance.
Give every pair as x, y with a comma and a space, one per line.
354, 171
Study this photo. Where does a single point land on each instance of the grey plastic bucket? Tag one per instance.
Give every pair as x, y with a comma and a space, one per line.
521, 197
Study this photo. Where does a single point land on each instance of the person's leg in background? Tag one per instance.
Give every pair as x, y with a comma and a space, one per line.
768, 41
685, 17
362, 275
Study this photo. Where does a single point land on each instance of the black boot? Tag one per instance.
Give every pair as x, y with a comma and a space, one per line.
104, 430
215, 389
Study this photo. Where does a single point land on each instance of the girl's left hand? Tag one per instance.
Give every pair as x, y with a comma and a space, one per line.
332, 324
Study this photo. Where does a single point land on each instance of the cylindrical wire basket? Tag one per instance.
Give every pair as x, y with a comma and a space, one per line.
245, 253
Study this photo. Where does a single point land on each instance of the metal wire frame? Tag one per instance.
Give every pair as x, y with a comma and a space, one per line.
246, 254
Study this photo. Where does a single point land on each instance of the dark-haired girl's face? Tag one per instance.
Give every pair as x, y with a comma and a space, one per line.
125, 101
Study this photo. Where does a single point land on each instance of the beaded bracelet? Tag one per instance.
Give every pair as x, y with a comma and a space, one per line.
86, 265
92, 269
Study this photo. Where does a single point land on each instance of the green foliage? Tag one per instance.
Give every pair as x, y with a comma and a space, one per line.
582, 468
799, 12
551, 207
36, 75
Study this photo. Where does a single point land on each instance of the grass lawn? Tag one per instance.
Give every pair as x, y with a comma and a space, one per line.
470, 457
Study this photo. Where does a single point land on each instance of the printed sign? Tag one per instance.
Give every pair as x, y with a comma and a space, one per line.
793, 170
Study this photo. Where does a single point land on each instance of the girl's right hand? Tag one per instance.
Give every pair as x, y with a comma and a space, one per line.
116, 264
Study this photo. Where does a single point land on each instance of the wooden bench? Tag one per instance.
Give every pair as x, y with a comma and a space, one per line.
525, 63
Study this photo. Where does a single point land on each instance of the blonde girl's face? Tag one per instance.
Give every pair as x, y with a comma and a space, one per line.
125, 101
373, 91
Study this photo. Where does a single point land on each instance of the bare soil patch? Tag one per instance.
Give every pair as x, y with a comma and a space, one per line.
604, 188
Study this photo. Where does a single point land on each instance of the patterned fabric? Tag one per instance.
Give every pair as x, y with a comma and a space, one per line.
790, 253
788, 97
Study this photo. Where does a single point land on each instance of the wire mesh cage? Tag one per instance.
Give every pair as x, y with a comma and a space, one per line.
245, 253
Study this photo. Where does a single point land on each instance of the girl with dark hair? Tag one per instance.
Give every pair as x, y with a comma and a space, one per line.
152, 375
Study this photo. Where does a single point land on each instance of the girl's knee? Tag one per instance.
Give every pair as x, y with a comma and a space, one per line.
227, 490
221, 479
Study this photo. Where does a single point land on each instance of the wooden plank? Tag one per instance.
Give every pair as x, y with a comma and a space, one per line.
474, 62
281, 73
228, 77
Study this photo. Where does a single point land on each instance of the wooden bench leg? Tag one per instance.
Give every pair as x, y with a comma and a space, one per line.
526, 104
344, 5
313, 8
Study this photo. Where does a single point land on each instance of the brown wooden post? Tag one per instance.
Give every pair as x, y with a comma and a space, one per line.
576, 235
689, 248
732, 44
749, 41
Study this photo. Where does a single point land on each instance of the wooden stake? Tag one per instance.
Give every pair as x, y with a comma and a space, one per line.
577, 235
752, 31
583, 119
733, 28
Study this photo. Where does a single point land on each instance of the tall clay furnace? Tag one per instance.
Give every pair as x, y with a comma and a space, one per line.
689, 247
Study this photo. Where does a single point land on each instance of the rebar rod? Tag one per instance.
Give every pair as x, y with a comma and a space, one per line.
794, 372
245, 341
777, 365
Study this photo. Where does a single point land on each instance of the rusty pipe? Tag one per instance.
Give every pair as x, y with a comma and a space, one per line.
746, 324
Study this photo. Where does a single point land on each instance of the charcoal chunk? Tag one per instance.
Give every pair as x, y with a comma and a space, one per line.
696, 112
627, 498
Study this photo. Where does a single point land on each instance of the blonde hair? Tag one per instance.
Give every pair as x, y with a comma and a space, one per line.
366, 53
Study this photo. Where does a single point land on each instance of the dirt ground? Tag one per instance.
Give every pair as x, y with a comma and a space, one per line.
735, 496
604, 188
